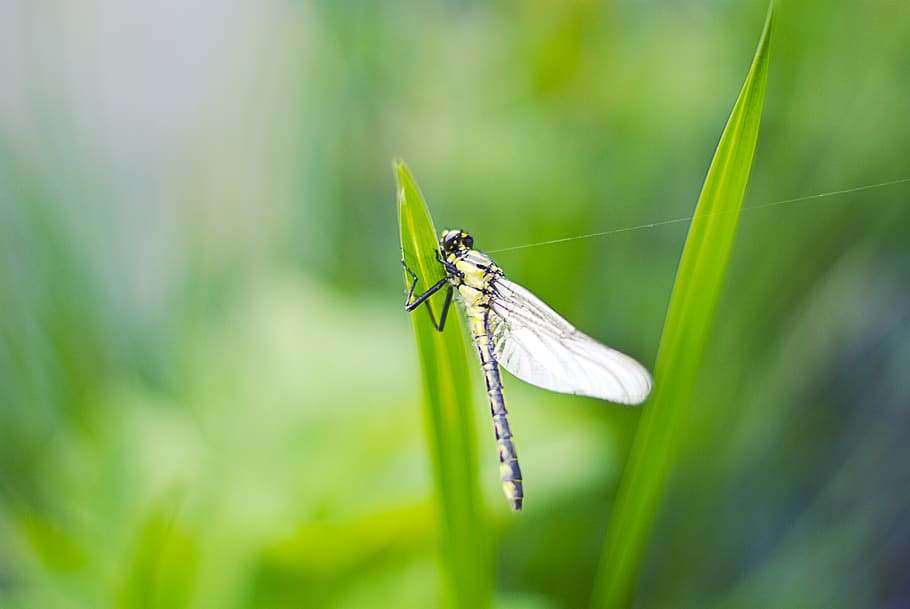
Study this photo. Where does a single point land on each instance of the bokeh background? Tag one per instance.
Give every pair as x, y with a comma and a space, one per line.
209, 392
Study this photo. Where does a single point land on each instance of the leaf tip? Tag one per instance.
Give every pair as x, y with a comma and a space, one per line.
402, 173
769, 21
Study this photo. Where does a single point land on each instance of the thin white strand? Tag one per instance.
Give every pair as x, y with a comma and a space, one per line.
688, 218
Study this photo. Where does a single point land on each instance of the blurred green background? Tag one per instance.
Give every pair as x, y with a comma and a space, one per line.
209, 392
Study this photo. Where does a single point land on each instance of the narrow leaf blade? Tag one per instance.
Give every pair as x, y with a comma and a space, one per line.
689, 318
448, 415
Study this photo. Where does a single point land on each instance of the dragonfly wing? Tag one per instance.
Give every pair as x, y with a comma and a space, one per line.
538, 346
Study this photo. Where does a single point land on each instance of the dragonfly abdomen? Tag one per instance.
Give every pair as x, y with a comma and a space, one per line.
509, 470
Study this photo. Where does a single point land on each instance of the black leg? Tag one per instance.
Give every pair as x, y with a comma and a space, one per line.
445, 310
451, 269
410, 306
407, 298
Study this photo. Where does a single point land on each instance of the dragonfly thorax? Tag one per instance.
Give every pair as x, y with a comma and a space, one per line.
469, 271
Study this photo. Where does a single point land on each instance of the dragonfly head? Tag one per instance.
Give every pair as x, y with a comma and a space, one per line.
454, 240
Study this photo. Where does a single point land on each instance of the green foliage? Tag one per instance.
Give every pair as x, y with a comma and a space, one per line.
209, 392
160, 573
447, 410
663, 424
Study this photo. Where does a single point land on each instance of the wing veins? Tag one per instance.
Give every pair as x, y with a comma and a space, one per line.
576, 357
570, 343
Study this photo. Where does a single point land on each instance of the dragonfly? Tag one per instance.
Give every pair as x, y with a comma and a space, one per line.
514, 329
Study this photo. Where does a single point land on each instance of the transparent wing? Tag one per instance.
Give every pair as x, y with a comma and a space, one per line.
538, 346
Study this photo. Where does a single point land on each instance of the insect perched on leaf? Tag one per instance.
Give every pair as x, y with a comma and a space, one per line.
512, 328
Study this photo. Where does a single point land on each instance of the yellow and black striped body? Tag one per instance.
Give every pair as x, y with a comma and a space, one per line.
471, 273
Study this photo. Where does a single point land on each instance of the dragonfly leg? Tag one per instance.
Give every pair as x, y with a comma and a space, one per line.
451, 269
407, 298
410, 305
446, 305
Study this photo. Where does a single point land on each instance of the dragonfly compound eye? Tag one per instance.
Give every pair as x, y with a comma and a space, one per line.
450, 239
468, 240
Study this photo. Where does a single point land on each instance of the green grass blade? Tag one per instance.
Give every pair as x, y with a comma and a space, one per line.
467, 577
689, 318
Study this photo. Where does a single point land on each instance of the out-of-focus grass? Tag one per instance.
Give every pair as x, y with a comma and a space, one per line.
447, 411
689, 320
